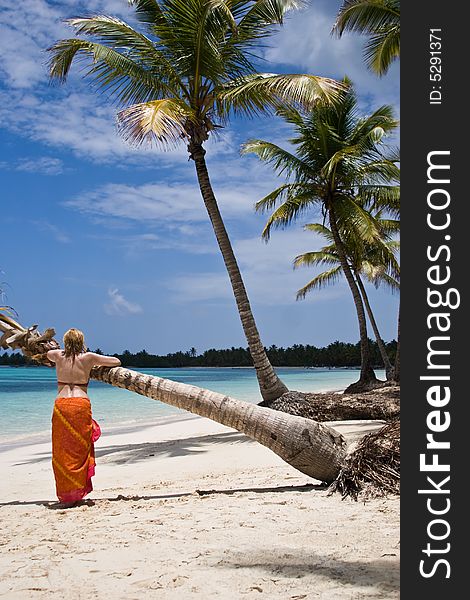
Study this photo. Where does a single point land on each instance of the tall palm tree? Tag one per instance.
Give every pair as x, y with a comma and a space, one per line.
313, 448
338, 167
380, 19
179, 82
376, 262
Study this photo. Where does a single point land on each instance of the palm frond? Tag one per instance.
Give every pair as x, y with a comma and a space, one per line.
366, 16
319, 257
389, 226
376, 172
148, 12
282, 161
160, 121
352, 217
113, 31
288, 212
280, 194
122, 77
320, 229
379, 276
379, 194
326, 278
382, 118
382, 49
381, 20
262, 92
257, 21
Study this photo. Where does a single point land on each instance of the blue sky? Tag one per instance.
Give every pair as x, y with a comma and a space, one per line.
115, 240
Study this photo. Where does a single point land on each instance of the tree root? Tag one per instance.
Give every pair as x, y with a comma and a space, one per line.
382, 403
372, 467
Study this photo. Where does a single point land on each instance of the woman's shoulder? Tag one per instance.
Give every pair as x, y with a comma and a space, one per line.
53, 355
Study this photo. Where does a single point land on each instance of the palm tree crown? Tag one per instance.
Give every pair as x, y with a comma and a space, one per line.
339, 164
376, 261
191, 67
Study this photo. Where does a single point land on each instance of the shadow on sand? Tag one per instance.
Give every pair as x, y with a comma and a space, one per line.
120, 498
381, 573
120, 454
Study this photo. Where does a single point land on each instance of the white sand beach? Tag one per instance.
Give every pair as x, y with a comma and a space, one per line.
188, 508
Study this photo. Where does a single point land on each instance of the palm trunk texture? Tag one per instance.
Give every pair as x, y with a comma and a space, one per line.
367, 373
310, 447
380, 343
271, 386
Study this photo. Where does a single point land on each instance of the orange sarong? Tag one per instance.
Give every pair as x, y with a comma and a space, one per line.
73, 453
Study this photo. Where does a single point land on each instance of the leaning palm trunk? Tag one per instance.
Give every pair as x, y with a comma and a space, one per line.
271, 386
383, 352
367, 373
308, 446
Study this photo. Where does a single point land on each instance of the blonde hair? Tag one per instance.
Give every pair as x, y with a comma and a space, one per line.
74, 343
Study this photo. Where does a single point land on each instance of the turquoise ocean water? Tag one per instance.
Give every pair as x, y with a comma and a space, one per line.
27, 394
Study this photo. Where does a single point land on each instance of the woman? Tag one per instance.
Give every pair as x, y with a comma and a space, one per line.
73, 430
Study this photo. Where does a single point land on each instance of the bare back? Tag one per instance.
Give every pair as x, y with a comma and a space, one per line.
73, 375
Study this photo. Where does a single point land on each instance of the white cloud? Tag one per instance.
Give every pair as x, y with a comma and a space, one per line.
66, 117
51, 229
266, 269
306, 42
179, 204
118, 305
197, 287
43, 164
85, 123
75, 118
71, 116
29, 27
139, 245
147, 202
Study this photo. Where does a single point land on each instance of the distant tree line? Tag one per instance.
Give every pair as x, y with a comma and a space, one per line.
336, 354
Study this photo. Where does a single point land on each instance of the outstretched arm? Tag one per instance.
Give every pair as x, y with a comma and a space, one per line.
53, 354
99, 360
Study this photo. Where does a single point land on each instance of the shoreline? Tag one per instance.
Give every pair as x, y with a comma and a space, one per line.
39, 437
42, 437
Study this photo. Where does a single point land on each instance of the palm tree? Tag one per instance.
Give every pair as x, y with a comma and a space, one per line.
339, 168
180, 81
381, 20
313, 448
376, 262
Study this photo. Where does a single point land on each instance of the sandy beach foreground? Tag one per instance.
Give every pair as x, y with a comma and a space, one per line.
188, 508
